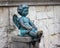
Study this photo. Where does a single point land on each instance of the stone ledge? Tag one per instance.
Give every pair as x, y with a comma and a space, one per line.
21, 39
15, 4
22, 42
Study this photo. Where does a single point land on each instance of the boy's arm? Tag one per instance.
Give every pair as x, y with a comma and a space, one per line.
32, 24
23, 25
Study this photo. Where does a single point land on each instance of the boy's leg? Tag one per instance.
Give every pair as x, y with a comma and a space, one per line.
39, 34
33, 33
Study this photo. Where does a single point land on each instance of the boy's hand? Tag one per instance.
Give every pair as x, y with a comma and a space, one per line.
30, 28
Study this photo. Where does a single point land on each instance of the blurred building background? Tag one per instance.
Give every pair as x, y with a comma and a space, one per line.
44, 13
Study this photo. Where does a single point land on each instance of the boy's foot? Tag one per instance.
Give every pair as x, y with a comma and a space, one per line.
39, 34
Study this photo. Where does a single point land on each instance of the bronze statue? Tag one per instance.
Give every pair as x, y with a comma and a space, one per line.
24, 24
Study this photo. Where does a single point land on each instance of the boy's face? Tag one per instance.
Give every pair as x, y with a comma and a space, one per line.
25, 11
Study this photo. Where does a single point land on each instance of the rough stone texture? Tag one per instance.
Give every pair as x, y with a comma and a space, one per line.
46, 18
29, 2
22, 45
22, 42
3, 26
21, 39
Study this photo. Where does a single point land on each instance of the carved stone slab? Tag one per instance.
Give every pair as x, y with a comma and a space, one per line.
22, 42
21, 39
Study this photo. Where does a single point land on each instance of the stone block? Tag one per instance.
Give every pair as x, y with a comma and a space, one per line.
3, 29
57, 14
32, 13
4, 17
21, 39
51, 41
22, 42
44, 12
13, 10
41, 15
3, 39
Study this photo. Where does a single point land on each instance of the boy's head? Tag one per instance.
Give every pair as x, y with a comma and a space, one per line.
23, 10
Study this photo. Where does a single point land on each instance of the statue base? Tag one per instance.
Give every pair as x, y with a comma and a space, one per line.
23, 42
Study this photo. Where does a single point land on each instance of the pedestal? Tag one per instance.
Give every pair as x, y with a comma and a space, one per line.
23, 42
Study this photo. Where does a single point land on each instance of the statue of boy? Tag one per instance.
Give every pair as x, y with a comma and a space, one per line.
24, 24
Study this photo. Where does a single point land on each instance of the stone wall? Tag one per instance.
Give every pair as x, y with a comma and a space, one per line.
3, 26
46, 18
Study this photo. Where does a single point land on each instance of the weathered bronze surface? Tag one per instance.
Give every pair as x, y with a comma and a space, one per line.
24, 24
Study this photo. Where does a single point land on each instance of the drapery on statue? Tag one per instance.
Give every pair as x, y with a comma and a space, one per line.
25, 25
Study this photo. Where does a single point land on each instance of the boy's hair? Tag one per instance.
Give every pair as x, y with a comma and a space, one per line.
21, 7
